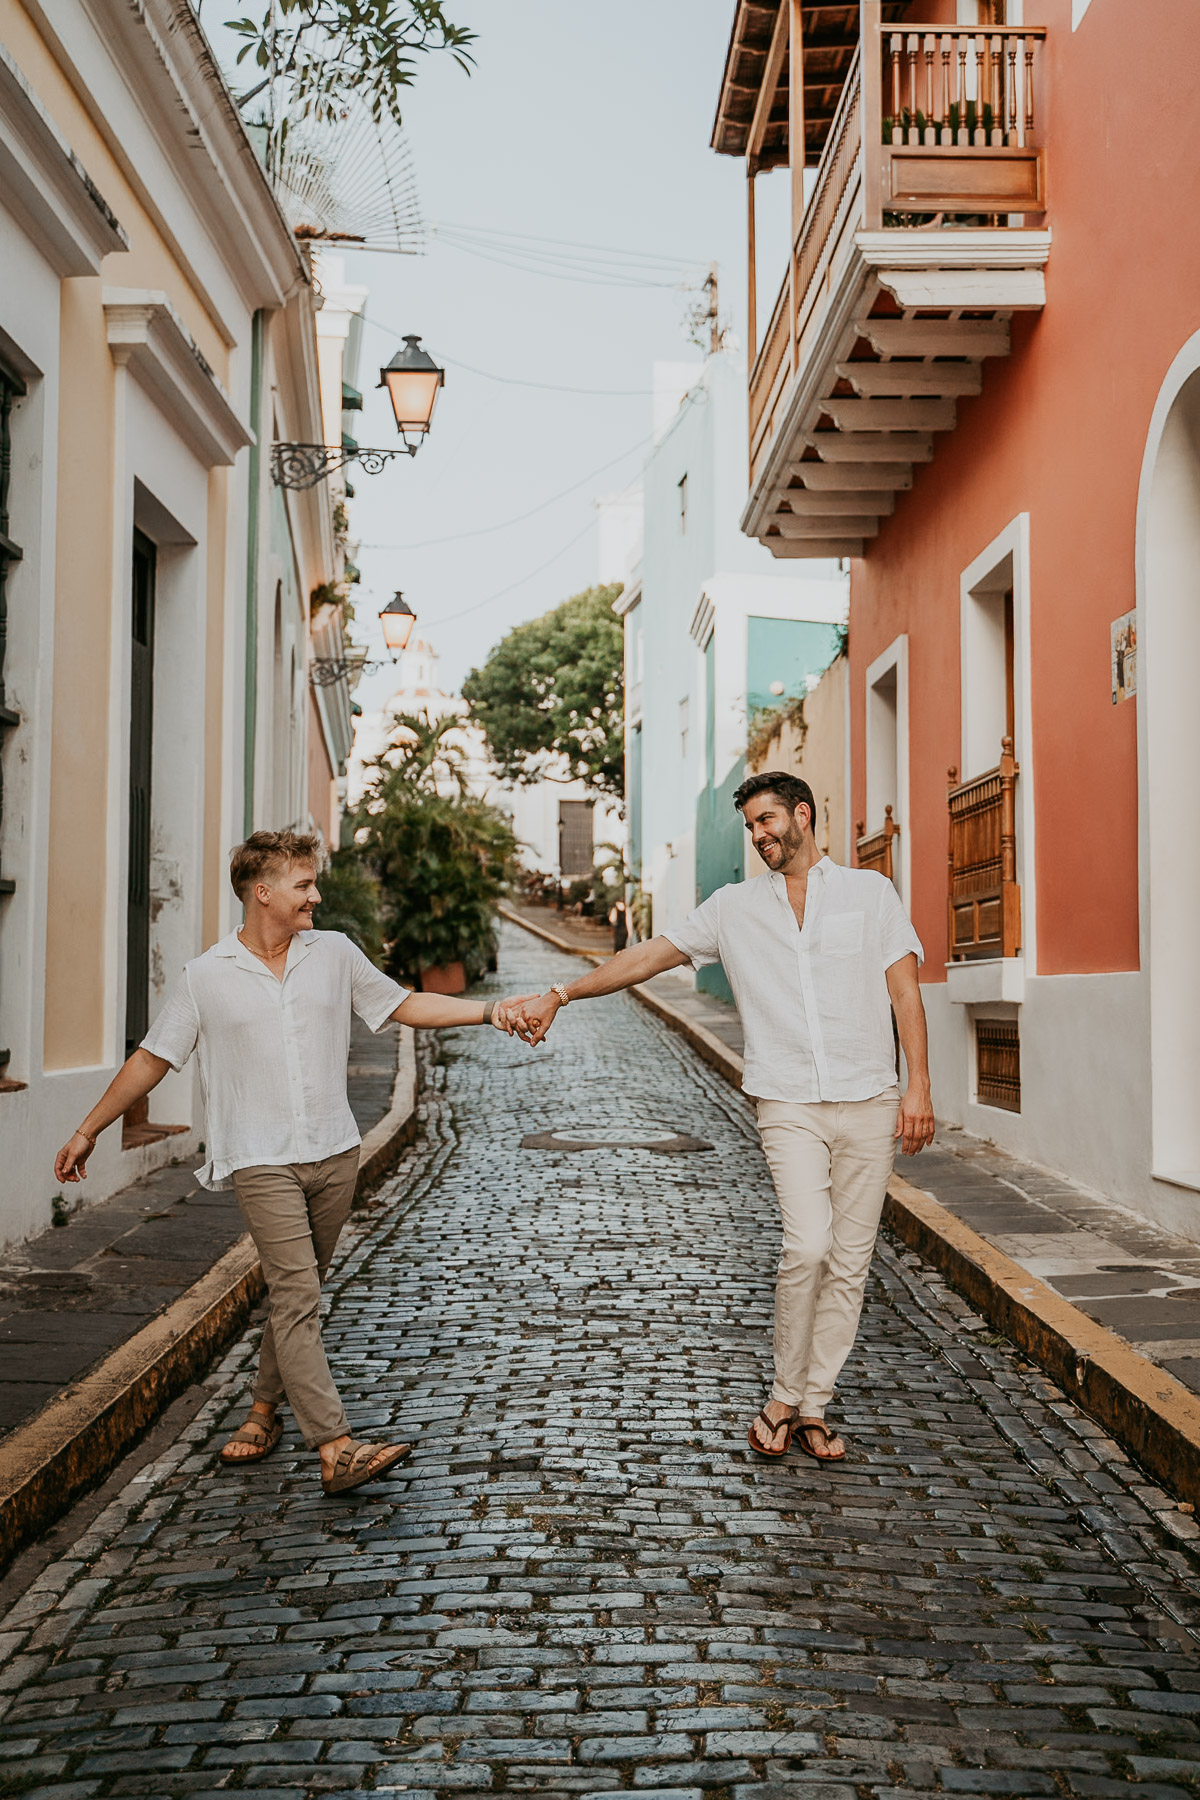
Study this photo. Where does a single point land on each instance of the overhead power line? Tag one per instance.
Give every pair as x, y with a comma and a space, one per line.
550, 387
519, 518
564, 259
519, 582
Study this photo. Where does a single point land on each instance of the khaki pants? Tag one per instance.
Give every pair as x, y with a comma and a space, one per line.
294, 1213
830, 1162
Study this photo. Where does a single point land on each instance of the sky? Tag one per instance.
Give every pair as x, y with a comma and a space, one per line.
584, 123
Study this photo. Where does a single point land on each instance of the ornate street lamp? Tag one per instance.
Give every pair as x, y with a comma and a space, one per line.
412, 380
397, 619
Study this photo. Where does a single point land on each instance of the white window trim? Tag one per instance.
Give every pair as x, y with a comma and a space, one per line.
1012, 541
895, 657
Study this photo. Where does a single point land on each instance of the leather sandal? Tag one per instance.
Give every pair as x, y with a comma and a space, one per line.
354, 1465
259, 1434
804, 1427
787, 1426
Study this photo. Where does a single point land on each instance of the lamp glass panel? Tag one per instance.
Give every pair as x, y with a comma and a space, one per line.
397, 629
413, 394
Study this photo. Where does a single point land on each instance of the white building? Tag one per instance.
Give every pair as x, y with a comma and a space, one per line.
715, 630
156, 337
544, 815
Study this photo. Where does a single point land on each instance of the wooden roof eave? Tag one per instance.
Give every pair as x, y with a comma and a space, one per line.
831, 41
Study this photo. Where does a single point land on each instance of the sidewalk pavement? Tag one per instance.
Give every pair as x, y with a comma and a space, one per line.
1032, 1250
104, 1321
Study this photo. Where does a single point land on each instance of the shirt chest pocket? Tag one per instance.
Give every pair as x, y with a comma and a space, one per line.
842, 934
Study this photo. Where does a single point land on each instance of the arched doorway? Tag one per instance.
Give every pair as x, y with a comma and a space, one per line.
1169, 698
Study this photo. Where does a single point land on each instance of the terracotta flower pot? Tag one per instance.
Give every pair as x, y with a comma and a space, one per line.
450, 978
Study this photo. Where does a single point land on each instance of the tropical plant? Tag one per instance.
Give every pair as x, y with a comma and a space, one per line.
550, 697
442, 860
320, 52
423, 755
350, 902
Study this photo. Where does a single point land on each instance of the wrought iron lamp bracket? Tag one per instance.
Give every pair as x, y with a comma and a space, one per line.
304, 465
327, 671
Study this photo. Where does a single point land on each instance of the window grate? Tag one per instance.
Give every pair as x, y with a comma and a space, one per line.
11, 388
998, 1063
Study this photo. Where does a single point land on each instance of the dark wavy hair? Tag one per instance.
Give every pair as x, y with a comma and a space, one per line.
791, 789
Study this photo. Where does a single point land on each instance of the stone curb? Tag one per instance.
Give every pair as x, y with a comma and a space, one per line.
1146, 1409
81, 1435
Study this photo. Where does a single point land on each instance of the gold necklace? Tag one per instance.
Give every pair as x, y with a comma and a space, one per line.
264, 955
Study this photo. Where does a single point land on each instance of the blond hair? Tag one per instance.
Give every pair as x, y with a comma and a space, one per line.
265, 855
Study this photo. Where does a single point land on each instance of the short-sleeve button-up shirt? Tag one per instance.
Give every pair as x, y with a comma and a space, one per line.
814, 1002
273, 1053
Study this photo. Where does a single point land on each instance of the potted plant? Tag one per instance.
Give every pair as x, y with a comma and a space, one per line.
442, 859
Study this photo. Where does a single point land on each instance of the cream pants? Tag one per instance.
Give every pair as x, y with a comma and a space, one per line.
830, 1161
294, 1213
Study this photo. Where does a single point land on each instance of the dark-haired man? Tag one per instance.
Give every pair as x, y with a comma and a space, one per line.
267, 1012
818, 957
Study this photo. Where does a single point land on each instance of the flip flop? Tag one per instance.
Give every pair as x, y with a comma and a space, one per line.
262, 1436
772, 1425
817, 1425
353, 1466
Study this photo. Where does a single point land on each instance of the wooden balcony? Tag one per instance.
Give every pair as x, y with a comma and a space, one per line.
984, 897
923, 234
875, 850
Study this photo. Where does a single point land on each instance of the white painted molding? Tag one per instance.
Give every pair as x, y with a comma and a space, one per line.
1012, 542
984, 983
703, 621
894, 657
1016, 290
985, 249
147, 336
629, 598
1078, 8
47, 188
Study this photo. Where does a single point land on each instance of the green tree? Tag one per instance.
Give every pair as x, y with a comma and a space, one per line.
320, 51
550, 697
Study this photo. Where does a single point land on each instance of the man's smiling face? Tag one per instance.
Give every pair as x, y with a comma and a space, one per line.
775, 831
294, 894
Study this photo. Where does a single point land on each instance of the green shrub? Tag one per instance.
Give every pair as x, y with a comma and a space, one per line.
350, 902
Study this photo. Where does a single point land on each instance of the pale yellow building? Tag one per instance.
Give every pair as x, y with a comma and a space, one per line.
157, 334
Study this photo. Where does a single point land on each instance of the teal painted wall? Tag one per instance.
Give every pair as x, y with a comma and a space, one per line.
720, 854
786, 650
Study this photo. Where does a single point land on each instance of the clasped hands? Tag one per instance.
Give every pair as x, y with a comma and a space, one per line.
527, 1016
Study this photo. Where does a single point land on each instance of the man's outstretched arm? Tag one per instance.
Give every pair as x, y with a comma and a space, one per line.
136, 1077
624, 970
426, 1011
915, 1123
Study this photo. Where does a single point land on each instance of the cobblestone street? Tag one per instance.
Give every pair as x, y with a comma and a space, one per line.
583, 1581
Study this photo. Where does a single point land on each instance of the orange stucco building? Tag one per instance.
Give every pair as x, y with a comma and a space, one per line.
978, 385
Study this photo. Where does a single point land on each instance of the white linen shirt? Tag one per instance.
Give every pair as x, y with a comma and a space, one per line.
814, 1002
273, 1054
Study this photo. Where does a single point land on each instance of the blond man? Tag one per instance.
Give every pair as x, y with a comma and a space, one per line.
267, 1012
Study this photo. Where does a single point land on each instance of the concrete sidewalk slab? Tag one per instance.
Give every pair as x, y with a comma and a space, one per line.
1104, 1302
104, 1323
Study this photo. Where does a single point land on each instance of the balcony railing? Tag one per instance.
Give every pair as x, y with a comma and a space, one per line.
985, 900
960, 132
875, 850
937, 130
